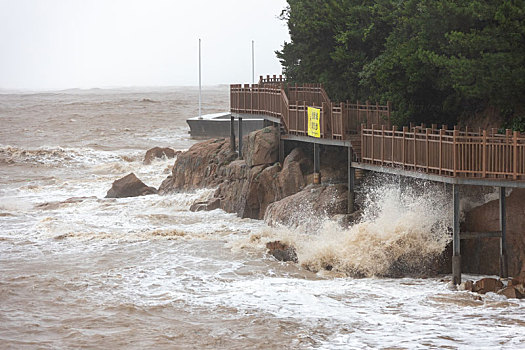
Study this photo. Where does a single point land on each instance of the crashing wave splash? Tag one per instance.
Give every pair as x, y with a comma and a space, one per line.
401, 231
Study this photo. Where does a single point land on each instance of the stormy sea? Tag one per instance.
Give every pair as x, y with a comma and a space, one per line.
78, 270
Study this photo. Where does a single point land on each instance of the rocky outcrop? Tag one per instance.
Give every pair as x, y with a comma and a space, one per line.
312, 203
482, 256
199, 166
246, 187
158, 152
129, 186
261, 147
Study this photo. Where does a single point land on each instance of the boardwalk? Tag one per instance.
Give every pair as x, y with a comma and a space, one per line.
449, 155
475, 154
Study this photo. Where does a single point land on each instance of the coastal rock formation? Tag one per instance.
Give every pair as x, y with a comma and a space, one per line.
246, 187
482, 256
129, 186
158, 152
261, 147
198, 167
312, 203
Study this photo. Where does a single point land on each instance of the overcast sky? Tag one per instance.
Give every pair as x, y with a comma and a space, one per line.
58, 44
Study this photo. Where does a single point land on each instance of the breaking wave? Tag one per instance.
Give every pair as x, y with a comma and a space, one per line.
55, 156
402, 230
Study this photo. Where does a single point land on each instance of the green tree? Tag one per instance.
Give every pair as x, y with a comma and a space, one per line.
434, 59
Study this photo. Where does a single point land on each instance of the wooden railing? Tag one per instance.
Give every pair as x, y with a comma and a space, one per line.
481, 154
458, 153
272, 80
273, 97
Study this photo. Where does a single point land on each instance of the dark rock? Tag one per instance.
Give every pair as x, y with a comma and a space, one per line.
158, 152
486, 285
467, 285
281, 251
511, 293
129, 186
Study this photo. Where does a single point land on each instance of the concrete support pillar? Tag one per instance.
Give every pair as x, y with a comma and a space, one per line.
240, 137
281, 146
351, 182
456, 255
317, 164
503, 264
232, 133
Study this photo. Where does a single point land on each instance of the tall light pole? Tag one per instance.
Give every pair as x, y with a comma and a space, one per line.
200, 99
253, 63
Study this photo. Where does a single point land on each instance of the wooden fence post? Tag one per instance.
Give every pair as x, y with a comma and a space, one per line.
441, 133
428, 149
382, 144
515, 155
389, 109
454, 150
372, 144
394, 128
484, 155
403, 145
368, 111
415, 146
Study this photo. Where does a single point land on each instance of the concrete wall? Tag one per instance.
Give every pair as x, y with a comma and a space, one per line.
221, 127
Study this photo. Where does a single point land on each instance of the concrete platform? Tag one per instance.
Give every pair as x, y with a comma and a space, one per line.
218, 125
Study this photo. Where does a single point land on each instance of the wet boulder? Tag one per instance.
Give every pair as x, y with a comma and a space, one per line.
511, 293
467, 285
308, 206
158, 152
486, 285
281, 251
129, 186
212, 204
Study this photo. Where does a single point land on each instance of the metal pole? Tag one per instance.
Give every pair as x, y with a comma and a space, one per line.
200, 99
351, 182
456, 256
503, 266
232, 133
253, 63
317, 164
240, 137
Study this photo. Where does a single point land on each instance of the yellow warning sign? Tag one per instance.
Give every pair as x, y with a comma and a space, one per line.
314, 122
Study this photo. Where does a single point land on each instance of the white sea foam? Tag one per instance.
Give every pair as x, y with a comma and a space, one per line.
400, 229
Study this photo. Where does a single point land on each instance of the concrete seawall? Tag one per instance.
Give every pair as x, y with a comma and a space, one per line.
218, 125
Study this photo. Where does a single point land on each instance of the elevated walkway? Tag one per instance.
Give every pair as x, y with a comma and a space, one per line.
456, 157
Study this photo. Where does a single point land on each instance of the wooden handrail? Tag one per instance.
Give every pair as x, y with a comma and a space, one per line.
457, 154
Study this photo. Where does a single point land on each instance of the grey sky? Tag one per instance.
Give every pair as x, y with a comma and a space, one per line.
55, 44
